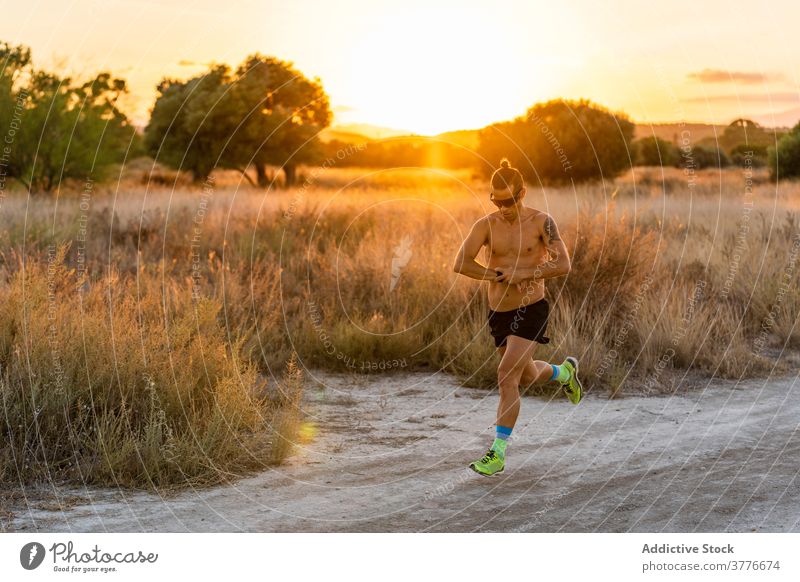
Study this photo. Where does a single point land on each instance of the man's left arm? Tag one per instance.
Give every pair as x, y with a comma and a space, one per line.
558, 264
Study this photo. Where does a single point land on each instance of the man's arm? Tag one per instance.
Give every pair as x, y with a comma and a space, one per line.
465, 263
557, 265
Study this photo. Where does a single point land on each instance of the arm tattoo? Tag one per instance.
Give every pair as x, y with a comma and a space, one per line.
550, 229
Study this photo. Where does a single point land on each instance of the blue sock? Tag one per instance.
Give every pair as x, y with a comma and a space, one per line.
501, 440
560, 373
502, 432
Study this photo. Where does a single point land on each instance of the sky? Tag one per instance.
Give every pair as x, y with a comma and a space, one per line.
438, 65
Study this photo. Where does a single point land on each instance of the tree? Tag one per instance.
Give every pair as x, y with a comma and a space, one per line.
281, 112
784, 159
188, 128
562, 140
61, 130
700, 157
745, 155
264, 113
745, 132
654, 151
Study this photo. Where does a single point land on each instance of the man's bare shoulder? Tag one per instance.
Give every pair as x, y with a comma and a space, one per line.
538, 215
482, 228
490, 221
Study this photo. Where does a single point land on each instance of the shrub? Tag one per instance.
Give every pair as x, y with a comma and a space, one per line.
561, 141
654, 151
701, 157
784, 159
131, 386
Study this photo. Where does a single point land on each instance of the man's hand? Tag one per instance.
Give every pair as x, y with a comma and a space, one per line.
511, 276
465, 262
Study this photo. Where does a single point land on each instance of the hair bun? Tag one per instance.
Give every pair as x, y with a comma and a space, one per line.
504, 163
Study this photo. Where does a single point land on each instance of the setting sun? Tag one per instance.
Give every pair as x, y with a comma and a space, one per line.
428, 67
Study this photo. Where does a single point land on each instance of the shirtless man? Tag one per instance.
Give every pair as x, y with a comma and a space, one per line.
523, 248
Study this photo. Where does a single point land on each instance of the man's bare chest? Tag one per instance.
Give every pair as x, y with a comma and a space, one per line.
516, 240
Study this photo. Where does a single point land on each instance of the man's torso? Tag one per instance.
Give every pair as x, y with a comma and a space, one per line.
510, 246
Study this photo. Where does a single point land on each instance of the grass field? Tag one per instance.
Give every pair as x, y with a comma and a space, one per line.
155, 335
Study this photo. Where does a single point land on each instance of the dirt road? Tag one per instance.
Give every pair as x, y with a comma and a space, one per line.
390, 455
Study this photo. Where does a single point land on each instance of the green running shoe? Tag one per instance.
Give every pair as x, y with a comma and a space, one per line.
490, 464
572, 387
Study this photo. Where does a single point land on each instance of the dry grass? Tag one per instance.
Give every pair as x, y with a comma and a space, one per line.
669, 276
127, 382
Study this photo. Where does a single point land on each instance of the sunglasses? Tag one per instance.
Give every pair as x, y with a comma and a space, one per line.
506, 202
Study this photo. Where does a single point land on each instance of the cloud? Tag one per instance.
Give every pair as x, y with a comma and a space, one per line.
743, 77
747, 98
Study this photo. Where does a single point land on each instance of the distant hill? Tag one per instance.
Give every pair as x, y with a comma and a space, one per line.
361, 131
334, 133
465, 137
673, 132
468, 138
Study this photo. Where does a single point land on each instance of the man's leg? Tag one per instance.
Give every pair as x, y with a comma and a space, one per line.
535, 371
516, 356
566, 374
517, 365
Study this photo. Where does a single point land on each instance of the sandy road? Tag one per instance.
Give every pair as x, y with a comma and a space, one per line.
391, 452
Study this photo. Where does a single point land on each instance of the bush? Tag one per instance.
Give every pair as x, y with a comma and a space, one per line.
561, 141
784, 159
654, 151
753, 155
59, 129
132, 387
701, 157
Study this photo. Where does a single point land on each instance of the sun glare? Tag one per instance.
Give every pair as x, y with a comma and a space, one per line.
415, 74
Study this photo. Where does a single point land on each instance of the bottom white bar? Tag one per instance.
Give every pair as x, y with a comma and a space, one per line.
353, 557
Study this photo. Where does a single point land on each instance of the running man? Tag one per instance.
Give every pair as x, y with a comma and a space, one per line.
523, 248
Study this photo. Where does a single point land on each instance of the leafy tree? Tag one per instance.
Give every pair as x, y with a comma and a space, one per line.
562, 140
700, 157
654, 151
61, 130
745, 132
281, 113
264, 113
188, 128
784, 159
753, 155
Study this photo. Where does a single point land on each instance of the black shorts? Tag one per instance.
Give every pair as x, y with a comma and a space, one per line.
528, 321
